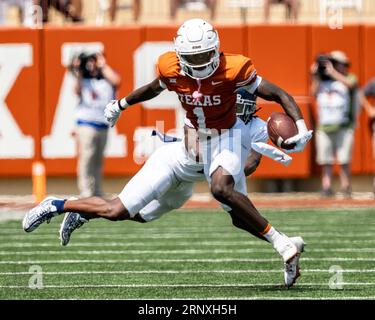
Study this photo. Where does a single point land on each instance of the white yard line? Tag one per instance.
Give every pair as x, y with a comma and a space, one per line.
112, 272
187, 285
126, 243
109, 261
182, 251
200, 229
197, 236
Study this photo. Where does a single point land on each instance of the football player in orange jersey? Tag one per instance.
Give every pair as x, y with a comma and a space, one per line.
206, 82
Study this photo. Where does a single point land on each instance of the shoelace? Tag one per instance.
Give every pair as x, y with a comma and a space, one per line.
42, 211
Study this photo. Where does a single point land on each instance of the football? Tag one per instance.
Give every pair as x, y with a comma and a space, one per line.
280, 128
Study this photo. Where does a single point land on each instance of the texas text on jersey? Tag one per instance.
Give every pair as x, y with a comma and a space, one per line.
215, 106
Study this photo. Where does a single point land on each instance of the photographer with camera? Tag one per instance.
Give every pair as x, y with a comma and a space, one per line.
335, 90
96, 84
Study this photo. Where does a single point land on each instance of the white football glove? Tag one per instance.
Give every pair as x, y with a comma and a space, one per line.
112, 112
272, 152
300, 139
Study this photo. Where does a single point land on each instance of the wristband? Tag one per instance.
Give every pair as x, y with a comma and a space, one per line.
301, 126
122, 104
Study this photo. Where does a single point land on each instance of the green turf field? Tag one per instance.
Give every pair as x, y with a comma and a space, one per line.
191, 254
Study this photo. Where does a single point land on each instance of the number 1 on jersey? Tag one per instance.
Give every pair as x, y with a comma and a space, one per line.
198, 111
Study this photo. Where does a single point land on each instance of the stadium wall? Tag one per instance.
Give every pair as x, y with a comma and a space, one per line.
37, 100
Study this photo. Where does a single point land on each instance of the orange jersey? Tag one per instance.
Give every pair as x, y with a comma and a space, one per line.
216, 108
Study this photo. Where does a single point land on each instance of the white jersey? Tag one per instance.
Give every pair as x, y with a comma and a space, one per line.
333, 101
95, 94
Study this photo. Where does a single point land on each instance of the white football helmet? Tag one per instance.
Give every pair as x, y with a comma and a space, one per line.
197, 47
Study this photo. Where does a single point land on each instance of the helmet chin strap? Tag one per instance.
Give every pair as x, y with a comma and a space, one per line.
197, 95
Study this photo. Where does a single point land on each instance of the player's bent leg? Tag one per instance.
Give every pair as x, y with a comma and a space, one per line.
80, 211
153, 211
222, 188
173, 199
89, 208
97, 207
240, 224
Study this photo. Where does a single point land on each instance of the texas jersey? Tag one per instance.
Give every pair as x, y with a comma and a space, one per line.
215, 108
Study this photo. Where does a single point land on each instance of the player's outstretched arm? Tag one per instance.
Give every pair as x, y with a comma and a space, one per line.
272, 92
147, 92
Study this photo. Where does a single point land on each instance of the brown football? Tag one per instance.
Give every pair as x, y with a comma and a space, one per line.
280, 128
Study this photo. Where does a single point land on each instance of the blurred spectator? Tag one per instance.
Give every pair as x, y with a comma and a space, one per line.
335, 90
193, 5
24, 10
71, 9
96, 85
291, 7
112, 6
369, 93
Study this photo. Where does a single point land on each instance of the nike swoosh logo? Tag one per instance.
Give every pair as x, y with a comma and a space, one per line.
214, 83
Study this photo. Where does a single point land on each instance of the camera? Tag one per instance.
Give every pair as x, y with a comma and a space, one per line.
85, 66
321, 70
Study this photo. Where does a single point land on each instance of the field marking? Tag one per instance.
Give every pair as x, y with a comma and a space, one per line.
109, 261
181, 251
180, 243
234, 235
188, 285
112, 272
172, 230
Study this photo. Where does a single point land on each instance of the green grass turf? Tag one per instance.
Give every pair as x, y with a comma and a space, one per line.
190, 254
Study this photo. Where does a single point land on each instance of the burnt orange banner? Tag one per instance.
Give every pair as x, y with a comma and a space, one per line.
37, 99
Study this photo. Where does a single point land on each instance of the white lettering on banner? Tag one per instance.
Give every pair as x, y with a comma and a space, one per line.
60, 143
145, 59
13, 143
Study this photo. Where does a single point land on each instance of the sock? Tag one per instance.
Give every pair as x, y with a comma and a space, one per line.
59, 204
271, 234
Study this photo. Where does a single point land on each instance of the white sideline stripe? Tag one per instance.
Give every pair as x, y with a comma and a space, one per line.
109, 231
244, 242
198, 236
188, 285
182, 251
89, 229
180, 271
107, 261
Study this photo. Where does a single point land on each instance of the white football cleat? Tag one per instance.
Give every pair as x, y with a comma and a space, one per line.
291, 266
285, 247
71, 222
43, 212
